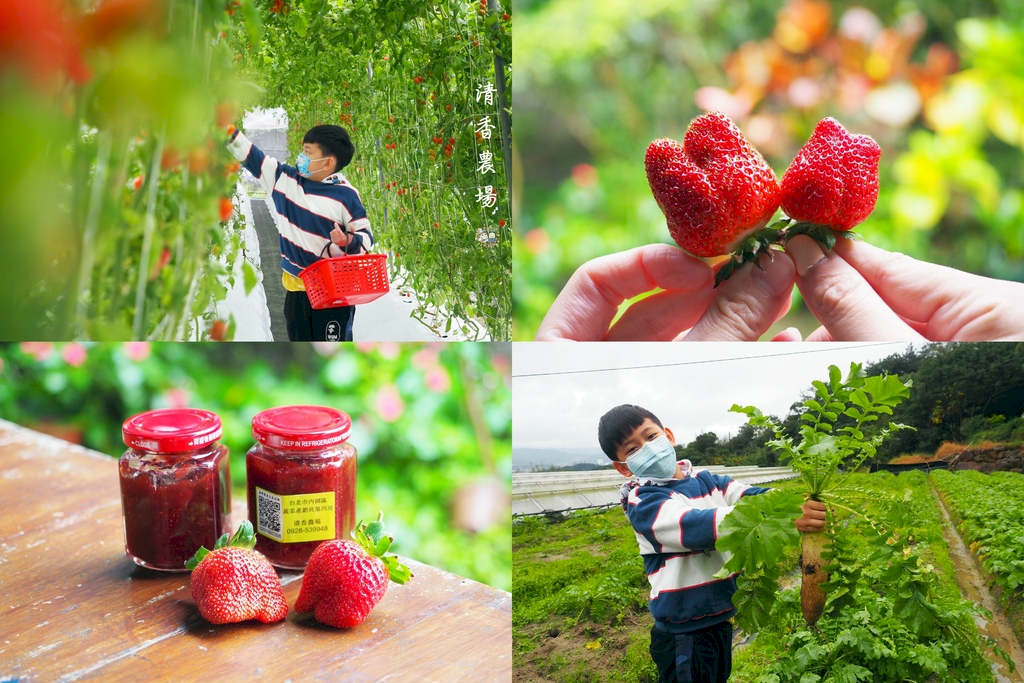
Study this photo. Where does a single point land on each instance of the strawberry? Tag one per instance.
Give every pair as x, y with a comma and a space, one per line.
344, 580
235, 583
834, 179
715, 189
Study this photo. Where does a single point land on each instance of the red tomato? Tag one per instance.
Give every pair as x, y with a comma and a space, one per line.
225, 114
226, 208
217, 330
198, 160
170, 158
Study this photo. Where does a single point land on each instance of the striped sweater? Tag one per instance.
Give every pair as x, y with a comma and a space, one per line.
306, 210
676, 523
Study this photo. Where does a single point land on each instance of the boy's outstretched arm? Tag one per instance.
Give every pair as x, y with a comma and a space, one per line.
266, 169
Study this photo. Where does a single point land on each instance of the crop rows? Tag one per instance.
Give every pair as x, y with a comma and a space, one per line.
894, 613
987, 508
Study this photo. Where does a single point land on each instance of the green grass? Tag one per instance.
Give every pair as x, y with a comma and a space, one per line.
580, 581
576, 582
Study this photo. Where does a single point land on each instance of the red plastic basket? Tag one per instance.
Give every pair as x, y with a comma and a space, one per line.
346, 280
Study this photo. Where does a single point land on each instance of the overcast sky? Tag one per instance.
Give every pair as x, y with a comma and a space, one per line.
562, 410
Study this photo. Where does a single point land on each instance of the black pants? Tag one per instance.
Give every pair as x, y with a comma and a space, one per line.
701, 657
306, 324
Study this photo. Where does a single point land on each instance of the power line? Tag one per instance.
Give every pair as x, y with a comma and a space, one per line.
701, 362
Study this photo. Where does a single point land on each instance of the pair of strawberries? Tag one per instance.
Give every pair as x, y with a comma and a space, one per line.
343, 582
718, 193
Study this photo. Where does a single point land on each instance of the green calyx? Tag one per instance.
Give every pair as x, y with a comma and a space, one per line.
245, 537
778, 233
750, 250
371, 538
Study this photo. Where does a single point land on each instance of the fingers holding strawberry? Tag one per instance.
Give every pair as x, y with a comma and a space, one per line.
718, 193
750, 302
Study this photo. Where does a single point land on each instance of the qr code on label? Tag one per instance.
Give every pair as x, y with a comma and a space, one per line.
269, 517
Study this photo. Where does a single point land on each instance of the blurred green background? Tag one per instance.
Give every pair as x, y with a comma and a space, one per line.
939, 85
431, 422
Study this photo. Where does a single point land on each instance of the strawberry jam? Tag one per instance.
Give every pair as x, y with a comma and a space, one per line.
175, 486
301, 480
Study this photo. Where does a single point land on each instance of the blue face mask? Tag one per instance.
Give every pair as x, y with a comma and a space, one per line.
656, 459
302, 164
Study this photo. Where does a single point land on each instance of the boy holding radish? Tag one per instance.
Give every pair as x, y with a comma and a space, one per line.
675, 514
316, 211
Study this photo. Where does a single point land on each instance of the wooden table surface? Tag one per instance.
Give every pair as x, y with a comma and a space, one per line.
74, 607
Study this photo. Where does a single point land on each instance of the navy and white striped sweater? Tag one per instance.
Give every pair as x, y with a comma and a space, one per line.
676, 523
306, 210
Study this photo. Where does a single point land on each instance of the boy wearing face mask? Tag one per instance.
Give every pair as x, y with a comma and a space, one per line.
317, 212
676, 515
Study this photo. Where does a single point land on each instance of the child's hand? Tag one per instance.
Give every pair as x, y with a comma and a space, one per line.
339, 236
813, 518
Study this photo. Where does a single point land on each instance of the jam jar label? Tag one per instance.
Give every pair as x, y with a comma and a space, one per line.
293, 519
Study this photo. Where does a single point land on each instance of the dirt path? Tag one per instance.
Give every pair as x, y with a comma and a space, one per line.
974, 588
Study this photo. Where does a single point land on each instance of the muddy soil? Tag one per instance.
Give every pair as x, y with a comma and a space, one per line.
975, 588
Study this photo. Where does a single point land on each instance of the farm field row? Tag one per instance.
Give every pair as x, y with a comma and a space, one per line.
894, 612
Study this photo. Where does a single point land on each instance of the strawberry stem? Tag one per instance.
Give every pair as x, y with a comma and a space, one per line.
751, 249
372, 539
245, 537
823, 234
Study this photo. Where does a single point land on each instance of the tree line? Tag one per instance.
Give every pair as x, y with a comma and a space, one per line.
962, 393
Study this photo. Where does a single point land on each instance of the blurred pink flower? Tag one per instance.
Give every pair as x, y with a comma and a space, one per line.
502, 365
176, 397
425, 359
389, 350
326, 349
584, 175
537, 241
137, 351
38, 350
365, 347
389, 404
734, 105
74, 354
805, 93
438, 380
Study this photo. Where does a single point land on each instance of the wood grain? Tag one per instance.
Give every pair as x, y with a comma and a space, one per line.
74, 607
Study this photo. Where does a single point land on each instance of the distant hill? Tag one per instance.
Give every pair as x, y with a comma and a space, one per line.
525, 459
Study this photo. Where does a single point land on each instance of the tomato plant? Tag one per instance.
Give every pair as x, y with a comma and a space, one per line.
114, 222
117, 218
419, 88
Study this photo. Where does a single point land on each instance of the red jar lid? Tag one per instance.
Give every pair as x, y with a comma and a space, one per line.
302, 428
171, 430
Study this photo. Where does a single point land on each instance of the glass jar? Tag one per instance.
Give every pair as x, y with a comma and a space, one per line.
175, 486
301, 481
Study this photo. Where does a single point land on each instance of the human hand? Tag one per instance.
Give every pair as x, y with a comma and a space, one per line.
339, 236
813, 518
690, 308
860, 292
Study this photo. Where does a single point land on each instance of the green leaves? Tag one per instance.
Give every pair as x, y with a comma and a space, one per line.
245, 538
832, 432
757, 532
760, 527
372, 539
